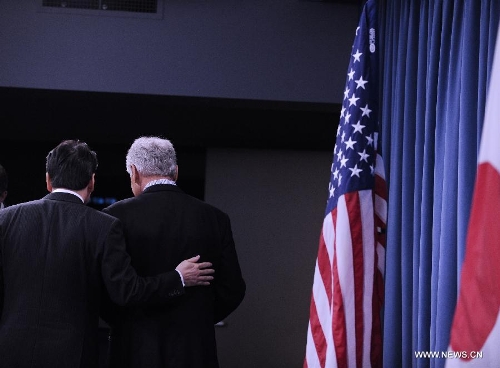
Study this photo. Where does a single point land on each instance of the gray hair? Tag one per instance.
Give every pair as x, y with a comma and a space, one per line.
152, 156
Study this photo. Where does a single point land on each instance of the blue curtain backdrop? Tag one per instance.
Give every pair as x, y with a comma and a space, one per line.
436, 59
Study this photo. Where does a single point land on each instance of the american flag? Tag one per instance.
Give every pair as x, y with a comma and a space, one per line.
475, 332
345, 313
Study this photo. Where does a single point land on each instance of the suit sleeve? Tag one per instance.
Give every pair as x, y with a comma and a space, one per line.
229, 284
123, 284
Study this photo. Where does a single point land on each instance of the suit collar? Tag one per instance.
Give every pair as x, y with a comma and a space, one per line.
63, 196
161, 188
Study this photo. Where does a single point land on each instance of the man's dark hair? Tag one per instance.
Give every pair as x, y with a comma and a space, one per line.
4, 181
71, 164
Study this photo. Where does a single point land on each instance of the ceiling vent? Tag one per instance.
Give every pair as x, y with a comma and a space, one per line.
131, 6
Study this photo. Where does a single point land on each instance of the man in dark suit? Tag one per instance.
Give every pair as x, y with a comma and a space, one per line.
162, 225
57, 256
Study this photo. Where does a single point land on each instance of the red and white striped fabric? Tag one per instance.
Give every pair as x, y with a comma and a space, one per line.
345, 323
475, 333
348, 285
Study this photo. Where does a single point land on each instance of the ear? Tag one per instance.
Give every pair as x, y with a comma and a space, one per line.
135, 178
90, 187
49, 182
176, 172
3, 196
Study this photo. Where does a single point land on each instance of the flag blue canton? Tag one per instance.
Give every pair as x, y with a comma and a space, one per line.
354, 155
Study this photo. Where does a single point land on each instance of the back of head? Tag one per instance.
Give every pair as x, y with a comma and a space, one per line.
152, 156
71, 165
4, 181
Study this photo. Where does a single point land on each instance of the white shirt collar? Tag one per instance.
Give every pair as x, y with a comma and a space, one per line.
68, 191
159, 181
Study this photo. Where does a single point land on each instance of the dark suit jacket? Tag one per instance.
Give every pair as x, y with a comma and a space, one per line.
56, 258
163, 226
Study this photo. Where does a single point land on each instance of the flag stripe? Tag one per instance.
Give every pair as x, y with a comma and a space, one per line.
356, 237
338, 316
323, 261
329, 234
367, 221
318, 335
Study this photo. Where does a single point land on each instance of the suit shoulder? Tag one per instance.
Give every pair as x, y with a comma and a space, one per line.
209, 207
118, 205
106, 216
24, 206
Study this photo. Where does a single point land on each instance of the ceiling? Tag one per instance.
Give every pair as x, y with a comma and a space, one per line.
52, 115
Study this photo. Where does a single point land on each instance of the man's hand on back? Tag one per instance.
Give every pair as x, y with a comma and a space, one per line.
195, 274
